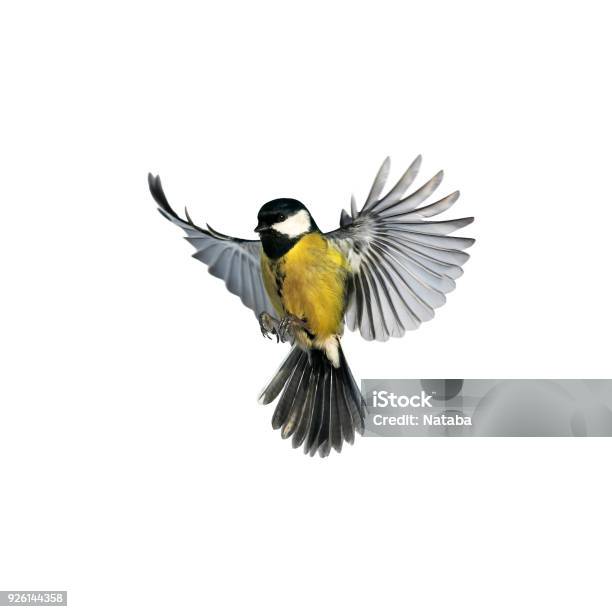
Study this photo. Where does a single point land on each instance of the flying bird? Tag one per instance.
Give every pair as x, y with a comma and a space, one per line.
382, 272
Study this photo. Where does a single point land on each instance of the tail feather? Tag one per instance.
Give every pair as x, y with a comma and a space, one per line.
289, 408
305, 409
352, 396
335, 425
285, 403
275, 386
323, 440
347, 428
320, 406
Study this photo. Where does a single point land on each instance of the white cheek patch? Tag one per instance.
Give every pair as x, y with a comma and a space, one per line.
296, 224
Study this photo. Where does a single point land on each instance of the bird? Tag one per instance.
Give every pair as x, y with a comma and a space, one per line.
382, 272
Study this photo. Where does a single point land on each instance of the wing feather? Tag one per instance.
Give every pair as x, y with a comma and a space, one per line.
403, 264
396, 194
378, 185
233, 260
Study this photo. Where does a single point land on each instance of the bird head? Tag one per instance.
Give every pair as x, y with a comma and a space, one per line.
284, 216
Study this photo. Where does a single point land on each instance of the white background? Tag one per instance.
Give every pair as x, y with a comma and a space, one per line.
137, 470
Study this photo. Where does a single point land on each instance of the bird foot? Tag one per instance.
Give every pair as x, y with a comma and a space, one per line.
289, 325
284, 329
268, 325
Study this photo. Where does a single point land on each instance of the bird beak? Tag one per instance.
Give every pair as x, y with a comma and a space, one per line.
261, 226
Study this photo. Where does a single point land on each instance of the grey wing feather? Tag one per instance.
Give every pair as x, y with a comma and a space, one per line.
403, 264
233, 260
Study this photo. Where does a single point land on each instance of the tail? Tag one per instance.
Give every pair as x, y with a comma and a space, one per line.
320, 405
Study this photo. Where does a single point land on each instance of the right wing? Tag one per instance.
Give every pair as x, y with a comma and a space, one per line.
233, 260
402, 263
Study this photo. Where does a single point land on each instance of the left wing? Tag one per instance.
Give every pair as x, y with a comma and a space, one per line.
234, 260
402, 263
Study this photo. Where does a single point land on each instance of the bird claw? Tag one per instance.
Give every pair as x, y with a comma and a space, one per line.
268, 325
288, 326
283, 329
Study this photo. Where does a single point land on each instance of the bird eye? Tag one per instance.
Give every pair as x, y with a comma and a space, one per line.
282, 217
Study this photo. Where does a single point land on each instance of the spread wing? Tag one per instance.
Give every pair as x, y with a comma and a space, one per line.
233, 260
403, 263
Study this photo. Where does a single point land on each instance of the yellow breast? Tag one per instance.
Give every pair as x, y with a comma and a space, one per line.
310, 283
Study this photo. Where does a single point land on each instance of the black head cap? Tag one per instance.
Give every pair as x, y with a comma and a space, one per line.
277, 211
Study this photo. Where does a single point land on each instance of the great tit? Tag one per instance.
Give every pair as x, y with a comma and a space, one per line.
384, 271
